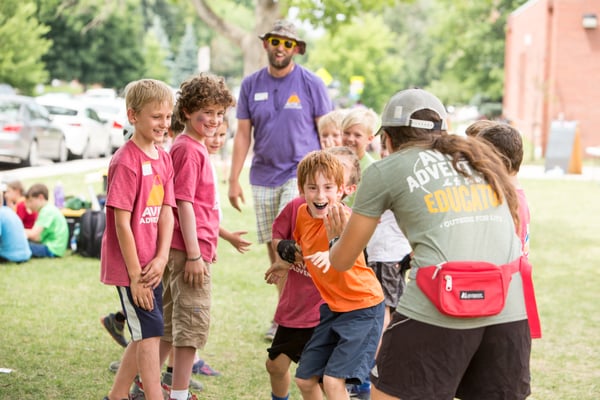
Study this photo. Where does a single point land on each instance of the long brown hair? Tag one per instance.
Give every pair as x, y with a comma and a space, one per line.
480, 156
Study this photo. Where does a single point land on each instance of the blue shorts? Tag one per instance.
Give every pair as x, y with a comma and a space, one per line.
143, 324
343, 345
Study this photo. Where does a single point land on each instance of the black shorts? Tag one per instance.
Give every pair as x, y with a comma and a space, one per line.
289, 341
420, 361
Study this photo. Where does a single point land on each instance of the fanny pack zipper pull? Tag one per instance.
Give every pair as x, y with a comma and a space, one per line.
448, 279
437, 269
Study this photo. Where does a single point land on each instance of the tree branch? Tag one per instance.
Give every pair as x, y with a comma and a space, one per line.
218, 24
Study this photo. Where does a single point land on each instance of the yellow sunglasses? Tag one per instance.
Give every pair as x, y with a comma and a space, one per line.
287, 43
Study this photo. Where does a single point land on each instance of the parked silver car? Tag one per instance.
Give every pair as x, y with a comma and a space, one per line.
27, 132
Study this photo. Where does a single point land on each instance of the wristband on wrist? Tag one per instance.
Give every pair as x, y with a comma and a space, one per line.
193, 259
332, 241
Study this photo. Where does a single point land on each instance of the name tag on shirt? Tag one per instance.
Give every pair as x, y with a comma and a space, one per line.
262, 96
146, 169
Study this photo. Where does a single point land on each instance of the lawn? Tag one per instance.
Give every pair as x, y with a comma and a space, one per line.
54, 344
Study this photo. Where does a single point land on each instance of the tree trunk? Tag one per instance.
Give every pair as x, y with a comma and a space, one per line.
265, 14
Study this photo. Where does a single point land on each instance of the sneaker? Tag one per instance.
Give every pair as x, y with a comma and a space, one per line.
202, 368
270, 334
114, 366
167, 380
361, 392
191, 396
137, 390
115, 328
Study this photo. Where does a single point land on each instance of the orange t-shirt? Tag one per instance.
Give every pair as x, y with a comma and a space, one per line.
354, 289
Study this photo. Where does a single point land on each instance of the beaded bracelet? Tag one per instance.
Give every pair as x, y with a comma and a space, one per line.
194, 259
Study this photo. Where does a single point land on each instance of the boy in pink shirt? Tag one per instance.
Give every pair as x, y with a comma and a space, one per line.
201, 105
139, 226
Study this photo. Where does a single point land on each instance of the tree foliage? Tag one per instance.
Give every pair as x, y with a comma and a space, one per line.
367, 48
22, 45
467, 39
330, 14
106, 51
335, 13
186, 61
158, 59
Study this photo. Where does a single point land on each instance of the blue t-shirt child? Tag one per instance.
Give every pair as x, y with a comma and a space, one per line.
13, 242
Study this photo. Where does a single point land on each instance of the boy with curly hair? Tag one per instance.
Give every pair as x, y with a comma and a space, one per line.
200, 108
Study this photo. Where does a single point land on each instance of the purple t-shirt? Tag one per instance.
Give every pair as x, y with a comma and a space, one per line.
141, 185
282, 112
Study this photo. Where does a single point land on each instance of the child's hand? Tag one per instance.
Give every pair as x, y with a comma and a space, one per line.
320, 259
336, 220
143, 296
152, 273
194, 273
277, 271
239, 242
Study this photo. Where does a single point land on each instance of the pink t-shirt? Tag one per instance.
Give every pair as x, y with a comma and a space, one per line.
525, 219
140, 185
300, 300
194, 182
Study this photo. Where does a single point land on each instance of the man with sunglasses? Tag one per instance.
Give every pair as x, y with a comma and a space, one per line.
282, 104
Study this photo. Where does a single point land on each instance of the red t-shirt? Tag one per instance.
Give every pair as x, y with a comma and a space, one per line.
140, 185
27, 217
299, 303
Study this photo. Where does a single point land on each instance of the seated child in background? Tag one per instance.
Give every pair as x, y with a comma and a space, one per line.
13, 242
49, 235
15, 199
297, 315
343, 345
330, 128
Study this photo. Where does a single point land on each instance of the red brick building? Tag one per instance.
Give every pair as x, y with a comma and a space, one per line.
552, 69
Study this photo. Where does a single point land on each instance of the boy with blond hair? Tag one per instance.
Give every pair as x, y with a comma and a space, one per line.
330, 128
139, 227
358, 128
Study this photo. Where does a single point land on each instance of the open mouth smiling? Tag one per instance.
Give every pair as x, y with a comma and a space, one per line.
320, 206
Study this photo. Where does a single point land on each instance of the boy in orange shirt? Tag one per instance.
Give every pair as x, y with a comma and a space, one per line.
343, 345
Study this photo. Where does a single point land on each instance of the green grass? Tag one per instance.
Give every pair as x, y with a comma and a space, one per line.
53, 341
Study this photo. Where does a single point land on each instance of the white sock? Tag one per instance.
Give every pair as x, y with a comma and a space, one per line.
179, 394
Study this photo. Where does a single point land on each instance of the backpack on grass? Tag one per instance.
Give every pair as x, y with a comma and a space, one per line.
91, 229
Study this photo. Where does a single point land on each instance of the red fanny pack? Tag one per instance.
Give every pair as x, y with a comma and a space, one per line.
467, 289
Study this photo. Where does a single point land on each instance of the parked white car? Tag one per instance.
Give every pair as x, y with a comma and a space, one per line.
114, 113
86, 133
